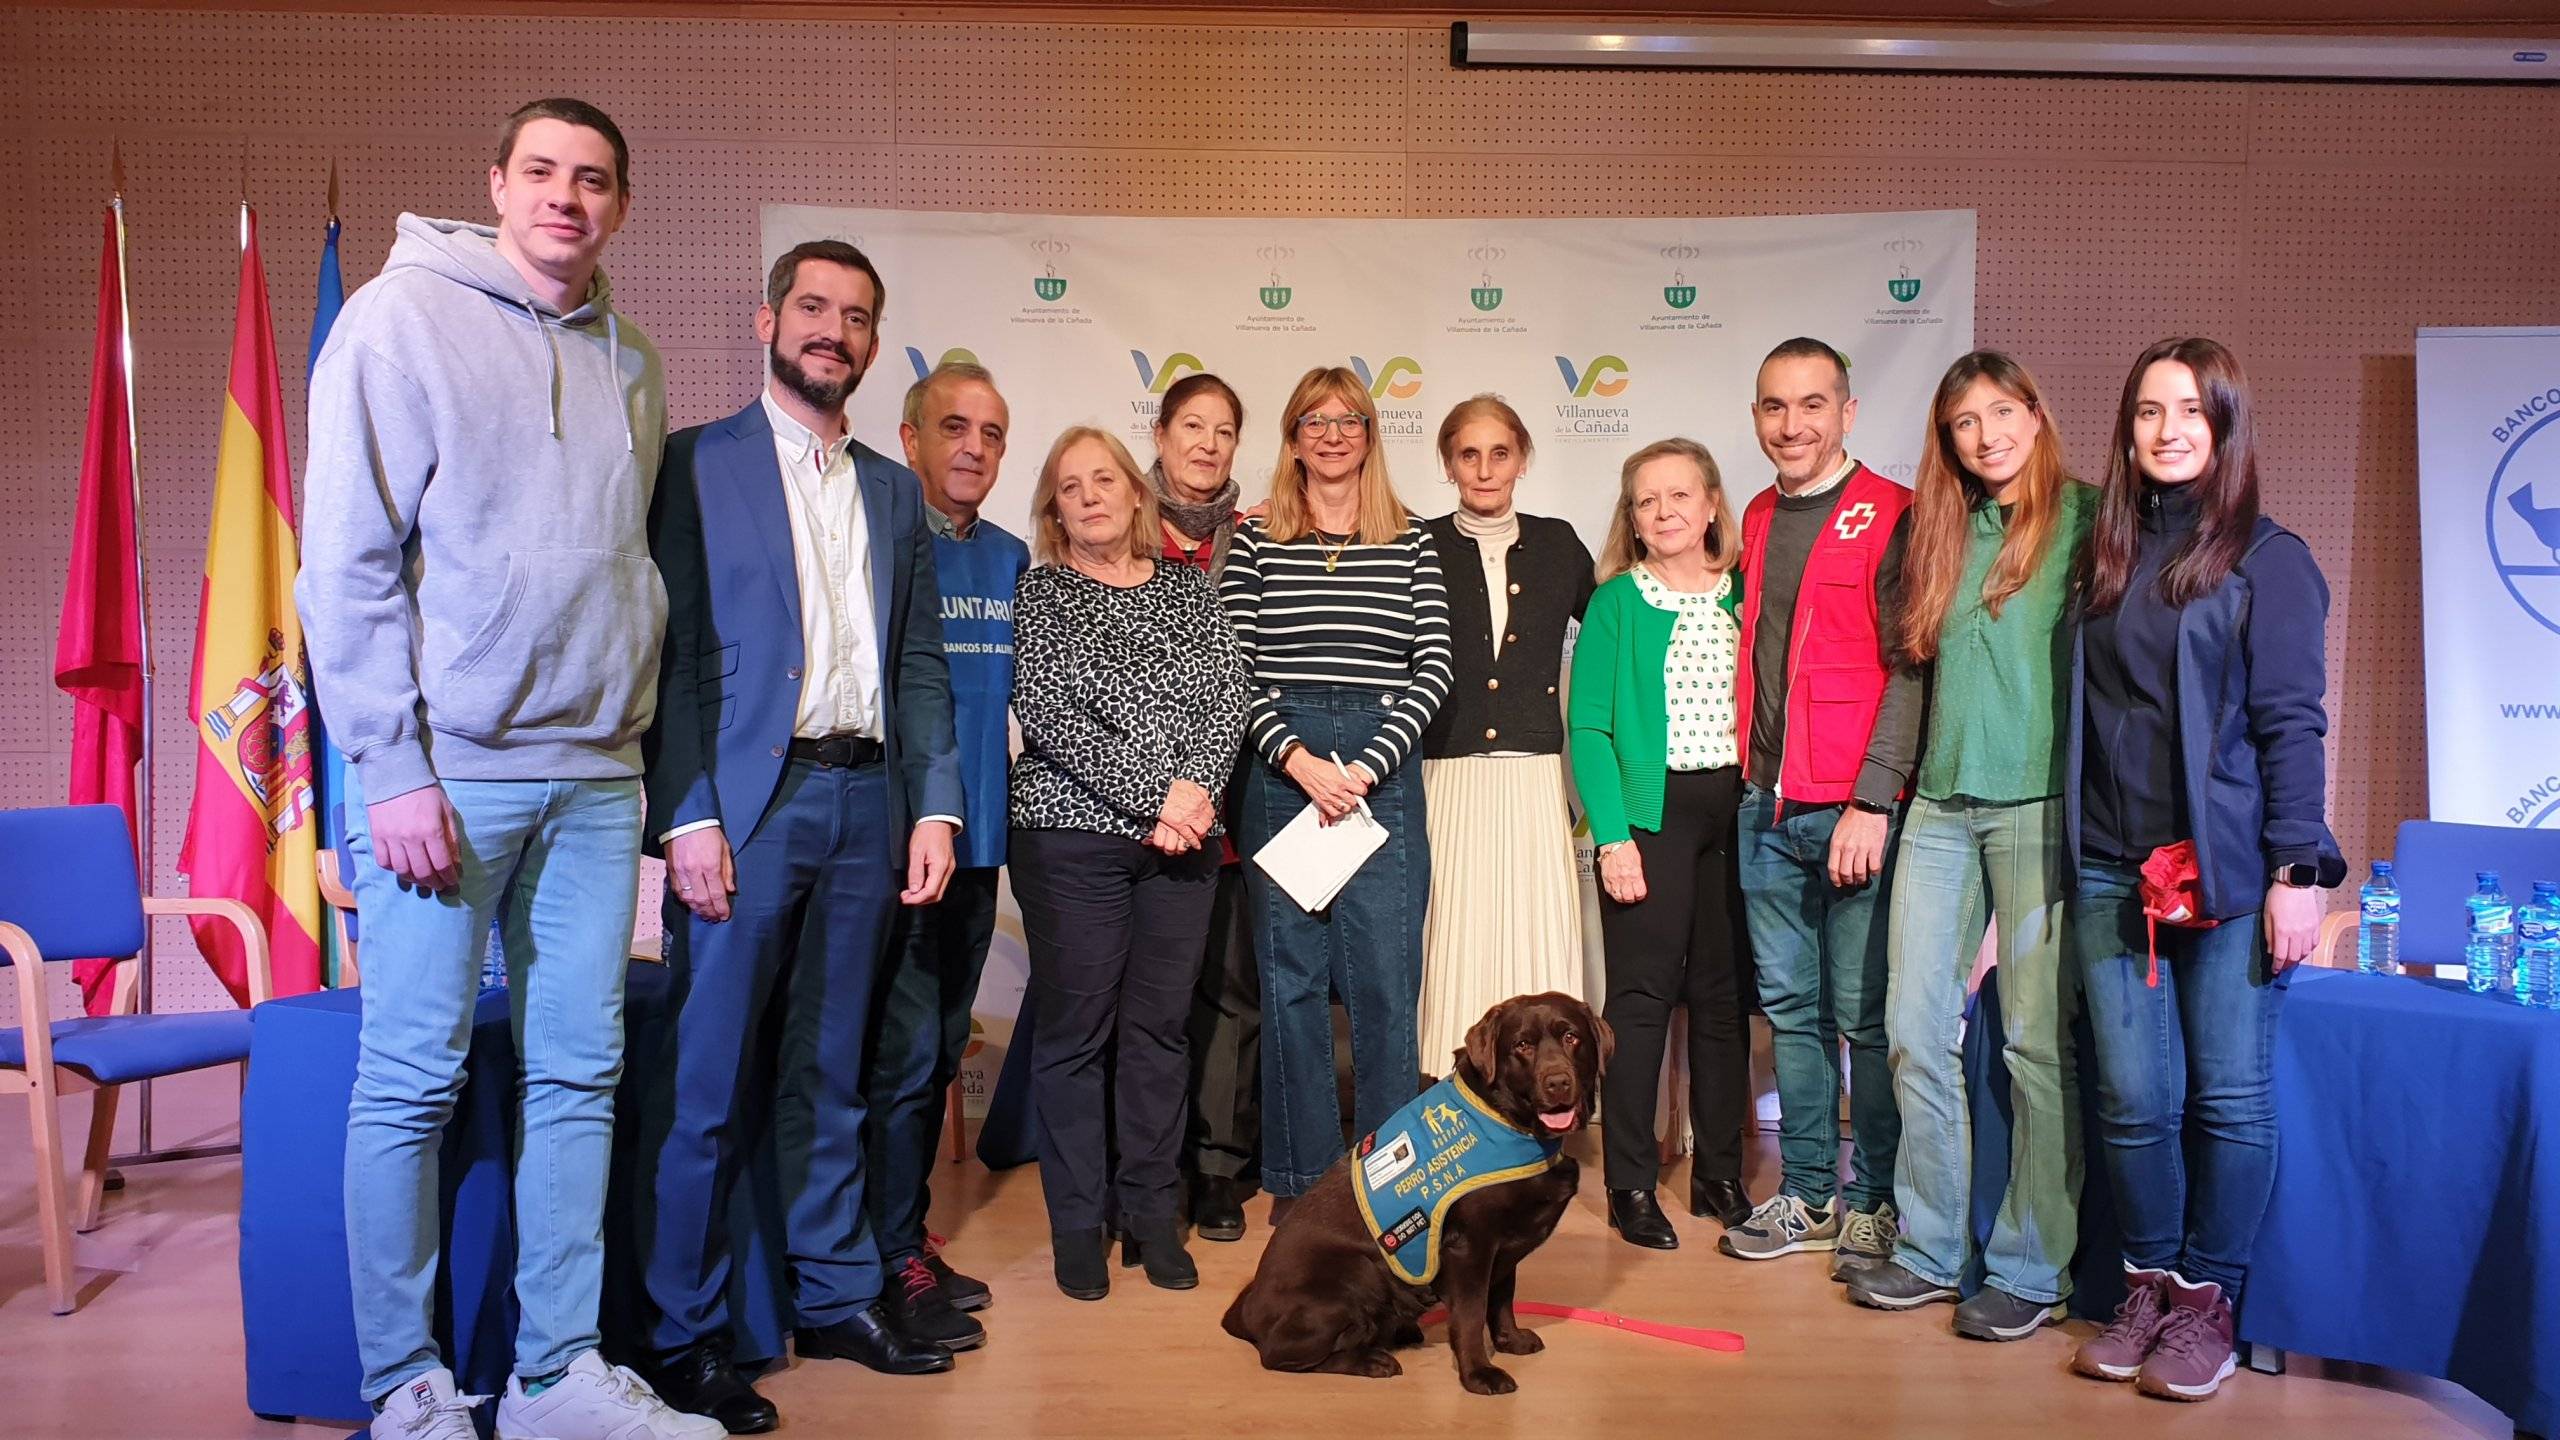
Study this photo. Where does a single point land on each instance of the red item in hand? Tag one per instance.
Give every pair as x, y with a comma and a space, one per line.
2172, 894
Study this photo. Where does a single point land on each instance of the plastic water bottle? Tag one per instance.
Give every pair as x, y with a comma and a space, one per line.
2378, 926
2538, 948
2488, 954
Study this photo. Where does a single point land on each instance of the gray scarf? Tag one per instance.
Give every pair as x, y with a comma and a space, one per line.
1200, 520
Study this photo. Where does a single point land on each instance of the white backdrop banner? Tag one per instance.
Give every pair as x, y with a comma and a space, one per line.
1604, 334
2489, 524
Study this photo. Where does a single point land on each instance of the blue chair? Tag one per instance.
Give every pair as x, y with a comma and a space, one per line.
2435, 865
68, 890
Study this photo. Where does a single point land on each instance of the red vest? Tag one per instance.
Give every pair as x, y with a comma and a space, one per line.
1835, 659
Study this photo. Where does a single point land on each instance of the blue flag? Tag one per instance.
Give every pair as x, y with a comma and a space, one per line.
333, 761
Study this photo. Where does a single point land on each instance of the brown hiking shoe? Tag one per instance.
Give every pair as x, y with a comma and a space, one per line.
2117, 1352
2195, 1353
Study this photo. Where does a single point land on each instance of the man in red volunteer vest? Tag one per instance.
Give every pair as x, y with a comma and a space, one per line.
1829, 730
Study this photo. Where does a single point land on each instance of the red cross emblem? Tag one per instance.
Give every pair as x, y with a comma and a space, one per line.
1853, 521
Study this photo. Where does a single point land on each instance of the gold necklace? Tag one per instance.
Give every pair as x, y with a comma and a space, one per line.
1335, 554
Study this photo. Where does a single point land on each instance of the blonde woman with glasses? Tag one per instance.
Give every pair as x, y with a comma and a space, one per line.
1337, 599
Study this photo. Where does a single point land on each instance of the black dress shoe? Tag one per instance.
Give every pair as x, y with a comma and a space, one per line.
1637, 1217
867, 1338
1217, 1209
1080, 1259
1159, 1247
699, 1380
920, 1311
1723, 1201
963, 1292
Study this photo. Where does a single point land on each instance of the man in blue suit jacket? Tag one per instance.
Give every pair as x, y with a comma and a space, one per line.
802, 761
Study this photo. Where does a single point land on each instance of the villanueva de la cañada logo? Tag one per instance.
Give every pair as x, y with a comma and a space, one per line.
1679, 294
1904, 288
1486, 296
1275, 291
956, 355
1271, 314
1391, 380
1154, 378
1049, 285
1578, 417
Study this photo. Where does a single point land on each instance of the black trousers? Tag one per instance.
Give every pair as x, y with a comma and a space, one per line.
921, 1027
1226, 1040
1683, 944
1115, 931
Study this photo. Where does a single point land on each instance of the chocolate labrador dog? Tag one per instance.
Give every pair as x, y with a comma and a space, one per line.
1340, 1283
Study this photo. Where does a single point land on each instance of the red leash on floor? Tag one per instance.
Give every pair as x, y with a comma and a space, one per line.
1703, 1339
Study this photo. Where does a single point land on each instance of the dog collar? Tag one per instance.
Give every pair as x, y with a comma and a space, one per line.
1446, 1143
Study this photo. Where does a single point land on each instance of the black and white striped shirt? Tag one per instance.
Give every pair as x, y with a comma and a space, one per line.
1378, 619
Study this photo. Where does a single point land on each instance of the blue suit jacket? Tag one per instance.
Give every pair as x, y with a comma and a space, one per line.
729, 682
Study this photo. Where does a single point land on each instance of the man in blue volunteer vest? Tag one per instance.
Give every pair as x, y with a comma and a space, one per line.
953, 429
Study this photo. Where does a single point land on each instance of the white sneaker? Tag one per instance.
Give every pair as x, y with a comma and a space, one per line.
426, 1408
595, 1401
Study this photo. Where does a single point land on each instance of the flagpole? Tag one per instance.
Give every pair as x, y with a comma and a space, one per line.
143, 786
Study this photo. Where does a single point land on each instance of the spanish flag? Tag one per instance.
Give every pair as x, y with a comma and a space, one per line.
252, 831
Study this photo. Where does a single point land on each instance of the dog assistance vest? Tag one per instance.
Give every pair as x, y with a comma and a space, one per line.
1444, 1144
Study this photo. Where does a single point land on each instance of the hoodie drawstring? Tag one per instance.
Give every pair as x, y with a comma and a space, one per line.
613, 362
613, 353
551, 392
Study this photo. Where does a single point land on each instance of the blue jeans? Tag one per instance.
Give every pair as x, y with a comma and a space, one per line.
1820, 951
2185, 1077
1365, 947
1965, 863
564, 857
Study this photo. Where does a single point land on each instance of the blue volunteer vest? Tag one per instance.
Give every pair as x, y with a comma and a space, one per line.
1443, 1144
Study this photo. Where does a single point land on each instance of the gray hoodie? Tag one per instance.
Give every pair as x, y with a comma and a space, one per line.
476, 590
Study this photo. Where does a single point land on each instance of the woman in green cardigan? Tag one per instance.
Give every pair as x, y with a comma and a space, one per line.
1654, 759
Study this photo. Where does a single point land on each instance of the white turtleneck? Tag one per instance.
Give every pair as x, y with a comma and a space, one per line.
1493, 535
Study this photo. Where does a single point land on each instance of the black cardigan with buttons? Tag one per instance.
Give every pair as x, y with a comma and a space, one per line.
1512, 703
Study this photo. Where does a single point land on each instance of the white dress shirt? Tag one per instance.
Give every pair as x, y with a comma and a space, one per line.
831, 553
831, 550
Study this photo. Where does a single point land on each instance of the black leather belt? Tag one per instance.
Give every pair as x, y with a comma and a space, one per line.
838, 752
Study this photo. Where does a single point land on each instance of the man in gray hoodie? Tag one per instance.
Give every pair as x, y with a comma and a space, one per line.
484, 623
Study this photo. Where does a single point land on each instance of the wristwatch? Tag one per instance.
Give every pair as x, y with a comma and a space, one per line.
2301, 877
1872, 807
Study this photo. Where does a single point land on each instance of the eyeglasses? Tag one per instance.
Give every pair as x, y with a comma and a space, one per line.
1312, 426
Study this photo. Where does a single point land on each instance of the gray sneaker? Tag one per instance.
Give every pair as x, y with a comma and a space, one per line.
1782, 1225
1995, 1314
1892, 1286
1867, 1238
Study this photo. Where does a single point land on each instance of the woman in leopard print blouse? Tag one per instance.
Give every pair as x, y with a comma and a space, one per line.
1130, 689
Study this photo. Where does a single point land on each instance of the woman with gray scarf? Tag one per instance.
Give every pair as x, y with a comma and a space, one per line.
1196, 495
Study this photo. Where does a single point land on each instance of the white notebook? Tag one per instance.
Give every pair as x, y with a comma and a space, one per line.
1312, 861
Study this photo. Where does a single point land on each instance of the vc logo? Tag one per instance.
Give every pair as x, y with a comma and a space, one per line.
1398, 379
1159, 378
1050, 285
952, 356
1604, 377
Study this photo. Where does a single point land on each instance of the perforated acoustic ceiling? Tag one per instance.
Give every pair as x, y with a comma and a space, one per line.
2314, 227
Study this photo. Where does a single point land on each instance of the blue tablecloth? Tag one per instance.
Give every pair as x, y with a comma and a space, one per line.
2416, 1218
296, 1307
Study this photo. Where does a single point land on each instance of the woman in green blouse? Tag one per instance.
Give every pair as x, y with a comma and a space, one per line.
1996, 537
1651, 722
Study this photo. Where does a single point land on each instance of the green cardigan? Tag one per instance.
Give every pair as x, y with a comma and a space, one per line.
1617, 721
